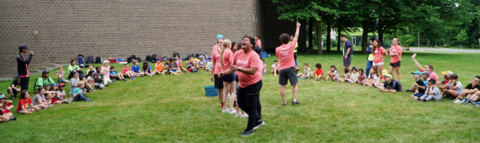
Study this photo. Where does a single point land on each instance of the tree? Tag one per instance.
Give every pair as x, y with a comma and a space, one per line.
462, 36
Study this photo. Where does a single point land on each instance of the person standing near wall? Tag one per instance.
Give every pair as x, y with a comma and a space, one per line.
22, 66
258, 42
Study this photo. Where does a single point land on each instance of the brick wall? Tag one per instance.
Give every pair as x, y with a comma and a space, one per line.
118, 28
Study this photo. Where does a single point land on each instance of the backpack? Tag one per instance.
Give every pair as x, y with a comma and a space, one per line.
154, 58
112, 60
131, 58
89, 60
175, 54
206, 55
98, 60
148, 58
138, 59
81, 61
120, 60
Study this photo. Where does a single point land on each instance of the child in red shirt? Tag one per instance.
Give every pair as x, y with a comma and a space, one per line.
319, 71
5, 113
25, 105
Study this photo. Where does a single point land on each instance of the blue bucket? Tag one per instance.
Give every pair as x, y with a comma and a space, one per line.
211, 91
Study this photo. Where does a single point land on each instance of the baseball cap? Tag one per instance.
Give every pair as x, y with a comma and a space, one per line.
112, 67
426, 73
417, 72
61, 85
219, 36
2, 96
45, 72
354, 68
200, 57
23, 47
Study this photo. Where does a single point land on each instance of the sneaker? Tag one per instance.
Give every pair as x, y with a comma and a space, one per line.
284, 104
224, 111
13, 119
232, 111
476, 103
296, 102
247, 133
244, 115
409, 90
237, 115
150, 75
457, 102
259, 124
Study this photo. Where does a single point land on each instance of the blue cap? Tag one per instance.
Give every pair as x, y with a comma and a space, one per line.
219, 36
417, 72
2, 96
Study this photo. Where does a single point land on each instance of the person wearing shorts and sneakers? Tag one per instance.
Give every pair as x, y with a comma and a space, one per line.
248, 67
347, 52
378, 52
396, 54
287, 65
214, 75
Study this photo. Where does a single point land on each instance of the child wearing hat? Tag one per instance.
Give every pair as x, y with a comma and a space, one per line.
419, 86
390, 84
202, 64
432, 92
444, 84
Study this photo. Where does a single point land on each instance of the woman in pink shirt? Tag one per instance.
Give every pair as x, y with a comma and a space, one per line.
248, 66
218, 82
378, 52
396, 54
226, 60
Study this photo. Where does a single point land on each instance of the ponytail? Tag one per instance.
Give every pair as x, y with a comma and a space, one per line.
398, 41
225, 44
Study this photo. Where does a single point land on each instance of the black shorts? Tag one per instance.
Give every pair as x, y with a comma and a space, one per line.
347, 62
218, 82
228, 78
14, 91
397, 64
288, 74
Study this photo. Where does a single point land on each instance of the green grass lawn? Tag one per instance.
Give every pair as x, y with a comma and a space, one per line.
167, 108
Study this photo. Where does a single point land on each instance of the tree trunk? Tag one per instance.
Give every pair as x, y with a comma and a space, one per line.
310, 33
380, 36
319, 38
428, 43
365, 36
329, 37
338, 38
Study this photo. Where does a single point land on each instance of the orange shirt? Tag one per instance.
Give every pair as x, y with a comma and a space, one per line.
159, 66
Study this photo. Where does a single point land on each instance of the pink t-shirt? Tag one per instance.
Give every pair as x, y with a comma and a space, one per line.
258, 43
285, 55
216, 58
396, 50
106, 68
433, 75
227, 59
215, 48
125, 70
248, 60
378, 55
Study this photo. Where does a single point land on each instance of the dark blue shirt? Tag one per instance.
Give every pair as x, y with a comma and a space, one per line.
136, 69
393, 85
348, 45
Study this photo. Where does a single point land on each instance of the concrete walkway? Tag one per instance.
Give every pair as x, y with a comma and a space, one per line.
444, 50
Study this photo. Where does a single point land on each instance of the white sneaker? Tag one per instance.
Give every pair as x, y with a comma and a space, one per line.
224, 111
237, 115
244, 115
457, 101
232, 111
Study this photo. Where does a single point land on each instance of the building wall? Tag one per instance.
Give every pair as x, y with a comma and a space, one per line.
118, 28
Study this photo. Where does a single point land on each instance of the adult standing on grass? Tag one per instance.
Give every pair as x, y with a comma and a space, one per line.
248, 65
219, 43
378, 52
22, 66
370, 56
287, 65
218, 82
428, 68
396, 54
226, 59
347, 52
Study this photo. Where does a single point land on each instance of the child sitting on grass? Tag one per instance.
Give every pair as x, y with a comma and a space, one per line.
5, 106
390, 84
73, 81
159, 67
115, 75
179, 62
353, 76
319, 72
455, 88
172, 67
91, 80
361, 78
419, 85
61, 96
191, 65
432, 92
136, 69
201, 65
126, 71
90, 68
39, 99
209, 66
49, 98
60, 75
275, 67
333, 73
147, 69
14, 88
25, 105
470, 91
79, 93
373, 79
346, 76
307, 72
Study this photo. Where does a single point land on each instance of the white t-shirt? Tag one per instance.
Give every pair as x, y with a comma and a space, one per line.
354, 76
375, 77
459, 87
275, 66
308, 72
92, 70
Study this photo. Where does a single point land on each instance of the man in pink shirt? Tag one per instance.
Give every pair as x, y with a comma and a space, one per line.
287, 65
428, 68
258, 42
248, 65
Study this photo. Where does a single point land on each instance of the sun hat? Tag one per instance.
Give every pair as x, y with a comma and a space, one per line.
417, 72
106, 62
384, 72
388, 75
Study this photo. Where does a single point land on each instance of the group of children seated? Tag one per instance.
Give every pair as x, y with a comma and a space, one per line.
48, 93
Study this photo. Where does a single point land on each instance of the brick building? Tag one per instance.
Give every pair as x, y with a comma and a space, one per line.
114, 28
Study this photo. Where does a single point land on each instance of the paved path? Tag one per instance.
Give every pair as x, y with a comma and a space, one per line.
444, 50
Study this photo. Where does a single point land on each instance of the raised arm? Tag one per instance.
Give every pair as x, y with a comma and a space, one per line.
416, 62
297, 31
26, 61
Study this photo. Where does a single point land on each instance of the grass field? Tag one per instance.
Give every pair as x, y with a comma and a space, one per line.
167, 108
